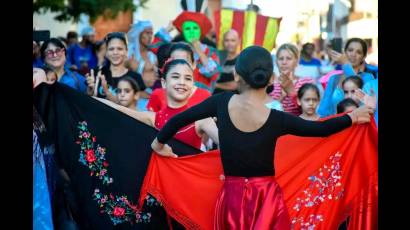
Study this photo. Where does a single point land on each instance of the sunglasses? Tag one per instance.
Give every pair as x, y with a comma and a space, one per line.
52, 53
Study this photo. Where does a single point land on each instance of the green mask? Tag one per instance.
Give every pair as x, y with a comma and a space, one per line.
191, 31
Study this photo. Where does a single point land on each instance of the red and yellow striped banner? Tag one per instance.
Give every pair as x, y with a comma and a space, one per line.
253, 29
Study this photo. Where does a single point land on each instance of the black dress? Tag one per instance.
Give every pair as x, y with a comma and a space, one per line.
105, 154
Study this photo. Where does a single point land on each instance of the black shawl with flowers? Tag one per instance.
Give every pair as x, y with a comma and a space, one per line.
104, 152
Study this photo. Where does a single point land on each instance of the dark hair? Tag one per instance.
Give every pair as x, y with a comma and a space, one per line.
254, 65
182, 46
270, 89
72, 34
305, 46
168, 65
98, 45
63, 40
342, 105
163, 54
132, 82
355, 79
55, 41
308, 86
359, 40
117, 35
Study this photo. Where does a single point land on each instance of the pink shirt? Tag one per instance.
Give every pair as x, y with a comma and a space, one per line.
289, 103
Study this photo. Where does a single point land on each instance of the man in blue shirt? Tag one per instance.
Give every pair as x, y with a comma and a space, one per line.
81, 56
309, 66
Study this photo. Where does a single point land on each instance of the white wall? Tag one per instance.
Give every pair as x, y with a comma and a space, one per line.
341, 10
237, 4
47, 22
160, 12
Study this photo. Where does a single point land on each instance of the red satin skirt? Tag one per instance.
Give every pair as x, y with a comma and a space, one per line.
251, 203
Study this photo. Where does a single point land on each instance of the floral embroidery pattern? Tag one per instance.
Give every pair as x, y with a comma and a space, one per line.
92, 155
120, 209
152, 201
309, 224
324, 186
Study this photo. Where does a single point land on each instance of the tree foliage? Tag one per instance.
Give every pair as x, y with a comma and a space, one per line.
72, 9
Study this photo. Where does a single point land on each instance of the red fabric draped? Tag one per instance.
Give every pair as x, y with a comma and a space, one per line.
324, 180
188, 187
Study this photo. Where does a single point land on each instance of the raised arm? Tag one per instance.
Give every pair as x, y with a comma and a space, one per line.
300, 127
145, 117
208, 65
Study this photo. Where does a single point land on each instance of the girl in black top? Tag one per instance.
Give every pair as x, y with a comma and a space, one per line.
248, 131
115, 69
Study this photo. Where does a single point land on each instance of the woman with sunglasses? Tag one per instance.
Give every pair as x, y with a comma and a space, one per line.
53, 54
108, 76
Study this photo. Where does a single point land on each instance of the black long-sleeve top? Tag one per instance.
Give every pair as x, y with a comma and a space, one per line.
250, 154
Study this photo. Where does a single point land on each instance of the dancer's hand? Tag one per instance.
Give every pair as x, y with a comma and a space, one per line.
369, 100
162, 149
361, 115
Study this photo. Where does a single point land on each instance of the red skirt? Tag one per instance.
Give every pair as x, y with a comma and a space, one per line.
251, 203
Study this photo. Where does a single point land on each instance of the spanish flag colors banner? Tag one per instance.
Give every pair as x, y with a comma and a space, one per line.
254, 29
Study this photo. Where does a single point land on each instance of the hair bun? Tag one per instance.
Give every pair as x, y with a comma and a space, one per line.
255, 66
259, 78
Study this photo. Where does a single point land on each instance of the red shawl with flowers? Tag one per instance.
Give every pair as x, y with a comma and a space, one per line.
324, 181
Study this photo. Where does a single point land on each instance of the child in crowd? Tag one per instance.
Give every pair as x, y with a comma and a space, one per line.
350, 85
309, 99
346, 105
128, 93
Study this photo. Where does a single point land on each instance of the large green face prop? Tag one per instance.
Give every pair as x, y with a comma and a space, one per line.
191, 31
